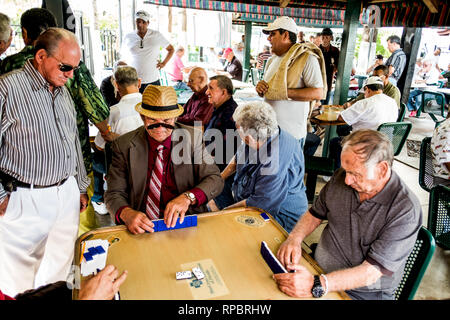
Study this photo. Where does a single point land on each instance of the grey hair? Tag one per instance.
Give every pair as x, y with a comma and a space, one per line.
5, 28
223, 82
126, 76
372, 146
49, 40
256, 118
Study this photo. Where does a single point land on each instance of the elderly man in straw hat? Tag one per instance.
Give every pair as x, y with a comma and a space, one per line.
160, 170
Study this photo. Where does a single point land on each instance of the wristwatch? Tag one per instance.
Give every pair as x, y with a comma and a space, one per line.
190, 196
317, 289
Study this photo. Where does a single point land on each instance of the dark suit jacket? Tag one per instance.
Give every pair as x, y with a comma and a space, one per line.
193, 167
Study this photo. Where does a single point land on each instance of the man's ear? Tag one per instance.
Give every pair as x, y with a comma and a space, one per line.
40, 55
383, 169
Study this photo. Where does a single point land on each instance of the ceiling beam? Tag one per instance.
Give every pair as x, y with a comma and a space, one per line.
284, 3
432, 5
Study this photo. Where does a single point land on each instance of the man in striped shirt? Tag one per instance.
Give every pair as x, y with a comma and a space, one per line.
43, 178
397, 61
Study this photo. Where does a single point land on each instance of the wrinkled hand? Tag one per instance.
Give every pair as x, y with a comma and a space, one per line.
296, 284
136, 221
212, 205
290, 252
102, 286
261, 88
176, 207
84, 202
4, 206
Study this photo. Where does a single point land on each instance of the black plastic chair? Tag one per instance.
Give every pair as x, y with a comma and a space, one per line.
397, 132
416, 265
315, 166
401, 112
439, 215
433, 103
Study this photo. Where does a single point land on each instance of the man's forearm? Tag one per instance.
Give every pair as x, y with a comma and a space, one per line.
304, 227
363, 275
305, 94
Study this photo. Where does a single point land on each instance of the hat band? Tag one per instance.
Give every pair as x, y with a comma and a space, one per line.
156, 108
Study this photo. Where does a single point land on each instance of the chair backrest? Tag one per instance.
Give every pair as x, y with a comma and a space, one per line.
397, 132
245, 74
426, 170
163, 78
439, 215
255, 79
416, 265
433, 103
401, 112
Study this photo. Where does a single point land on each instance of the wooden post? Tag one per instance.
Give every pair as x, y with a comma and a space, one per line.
248, 39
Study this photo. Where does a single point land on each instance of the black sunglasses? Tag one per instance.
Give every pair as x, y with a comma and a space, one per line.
65, 67
142, 45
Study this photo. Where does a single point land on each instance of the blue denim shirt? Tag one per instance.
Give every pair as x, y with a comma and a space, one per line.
273, 180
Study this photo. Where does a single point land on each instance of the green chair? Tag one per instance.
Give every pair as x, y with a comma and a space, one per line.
255, 79
245, 74
401, 112
439, 215
416, 265
426, 170
433, 103
315, 166
397, 132
163, 78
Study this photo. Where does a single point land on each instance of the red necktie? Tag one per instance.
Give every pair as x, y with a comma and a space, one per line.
154, 194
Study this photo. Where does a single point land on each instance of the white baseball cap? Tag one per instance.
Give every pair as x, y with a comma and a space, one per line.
142, 14
284, 22
374, 80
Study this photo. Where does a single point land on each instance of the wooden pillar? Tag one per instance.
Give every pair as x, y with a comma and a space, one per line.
248, 39
410, 44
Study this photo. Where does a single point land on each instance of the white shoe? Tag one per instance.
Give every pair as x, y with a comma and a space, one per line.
99, 207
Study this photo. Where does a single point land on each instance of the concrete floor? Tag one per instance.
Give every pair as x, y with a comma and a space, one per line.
436, 281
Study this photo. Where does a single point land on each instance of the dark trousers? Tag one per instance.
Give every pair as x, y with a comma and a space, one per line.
144, 85
99, 169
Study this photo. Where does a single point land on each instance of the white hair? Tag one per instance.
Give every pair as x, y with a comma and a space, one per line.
257, 119
5, 28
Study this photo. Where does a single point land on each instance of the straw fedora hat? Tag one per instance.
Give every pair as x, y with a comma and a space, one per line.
159, 102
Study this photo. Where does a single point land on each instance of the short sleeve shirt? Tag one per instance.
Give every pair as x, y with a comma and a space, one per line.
144, 57
369, 113
292, 115
398, 61
440, 148
381, 230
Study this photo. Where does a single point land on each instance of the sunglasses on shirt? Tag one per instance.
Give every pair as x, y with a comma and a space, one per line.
141, 45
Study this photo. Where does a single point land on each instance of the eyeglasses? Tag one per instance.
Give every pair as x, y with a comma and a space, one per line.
141, 45
65, 67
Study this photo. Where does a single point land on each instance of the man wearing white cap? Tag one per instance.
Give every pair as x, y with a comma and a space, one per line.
369, 113
140, 49
294, 76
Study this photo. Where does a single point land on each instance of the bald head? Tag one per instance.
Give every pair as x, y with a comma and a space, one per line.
198, 79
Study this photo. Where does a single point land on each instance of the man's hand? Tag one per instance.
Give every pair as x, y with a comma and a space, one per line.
102, 286
110, 136
176, 207
84, 201
136, 221
261, 88
4, 205
290, 252
160, 65
212, 205
296, 284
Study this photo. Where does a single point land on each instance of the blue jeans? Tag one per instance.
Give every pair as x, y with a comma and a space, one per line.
99, 169
414, 100
144, 85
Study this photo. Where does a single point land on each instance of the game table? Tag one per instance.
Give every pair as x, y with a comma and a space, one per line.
224, 244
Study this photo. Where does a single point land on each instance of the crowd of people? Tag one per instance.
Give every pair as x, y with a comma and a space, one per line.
169, 161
